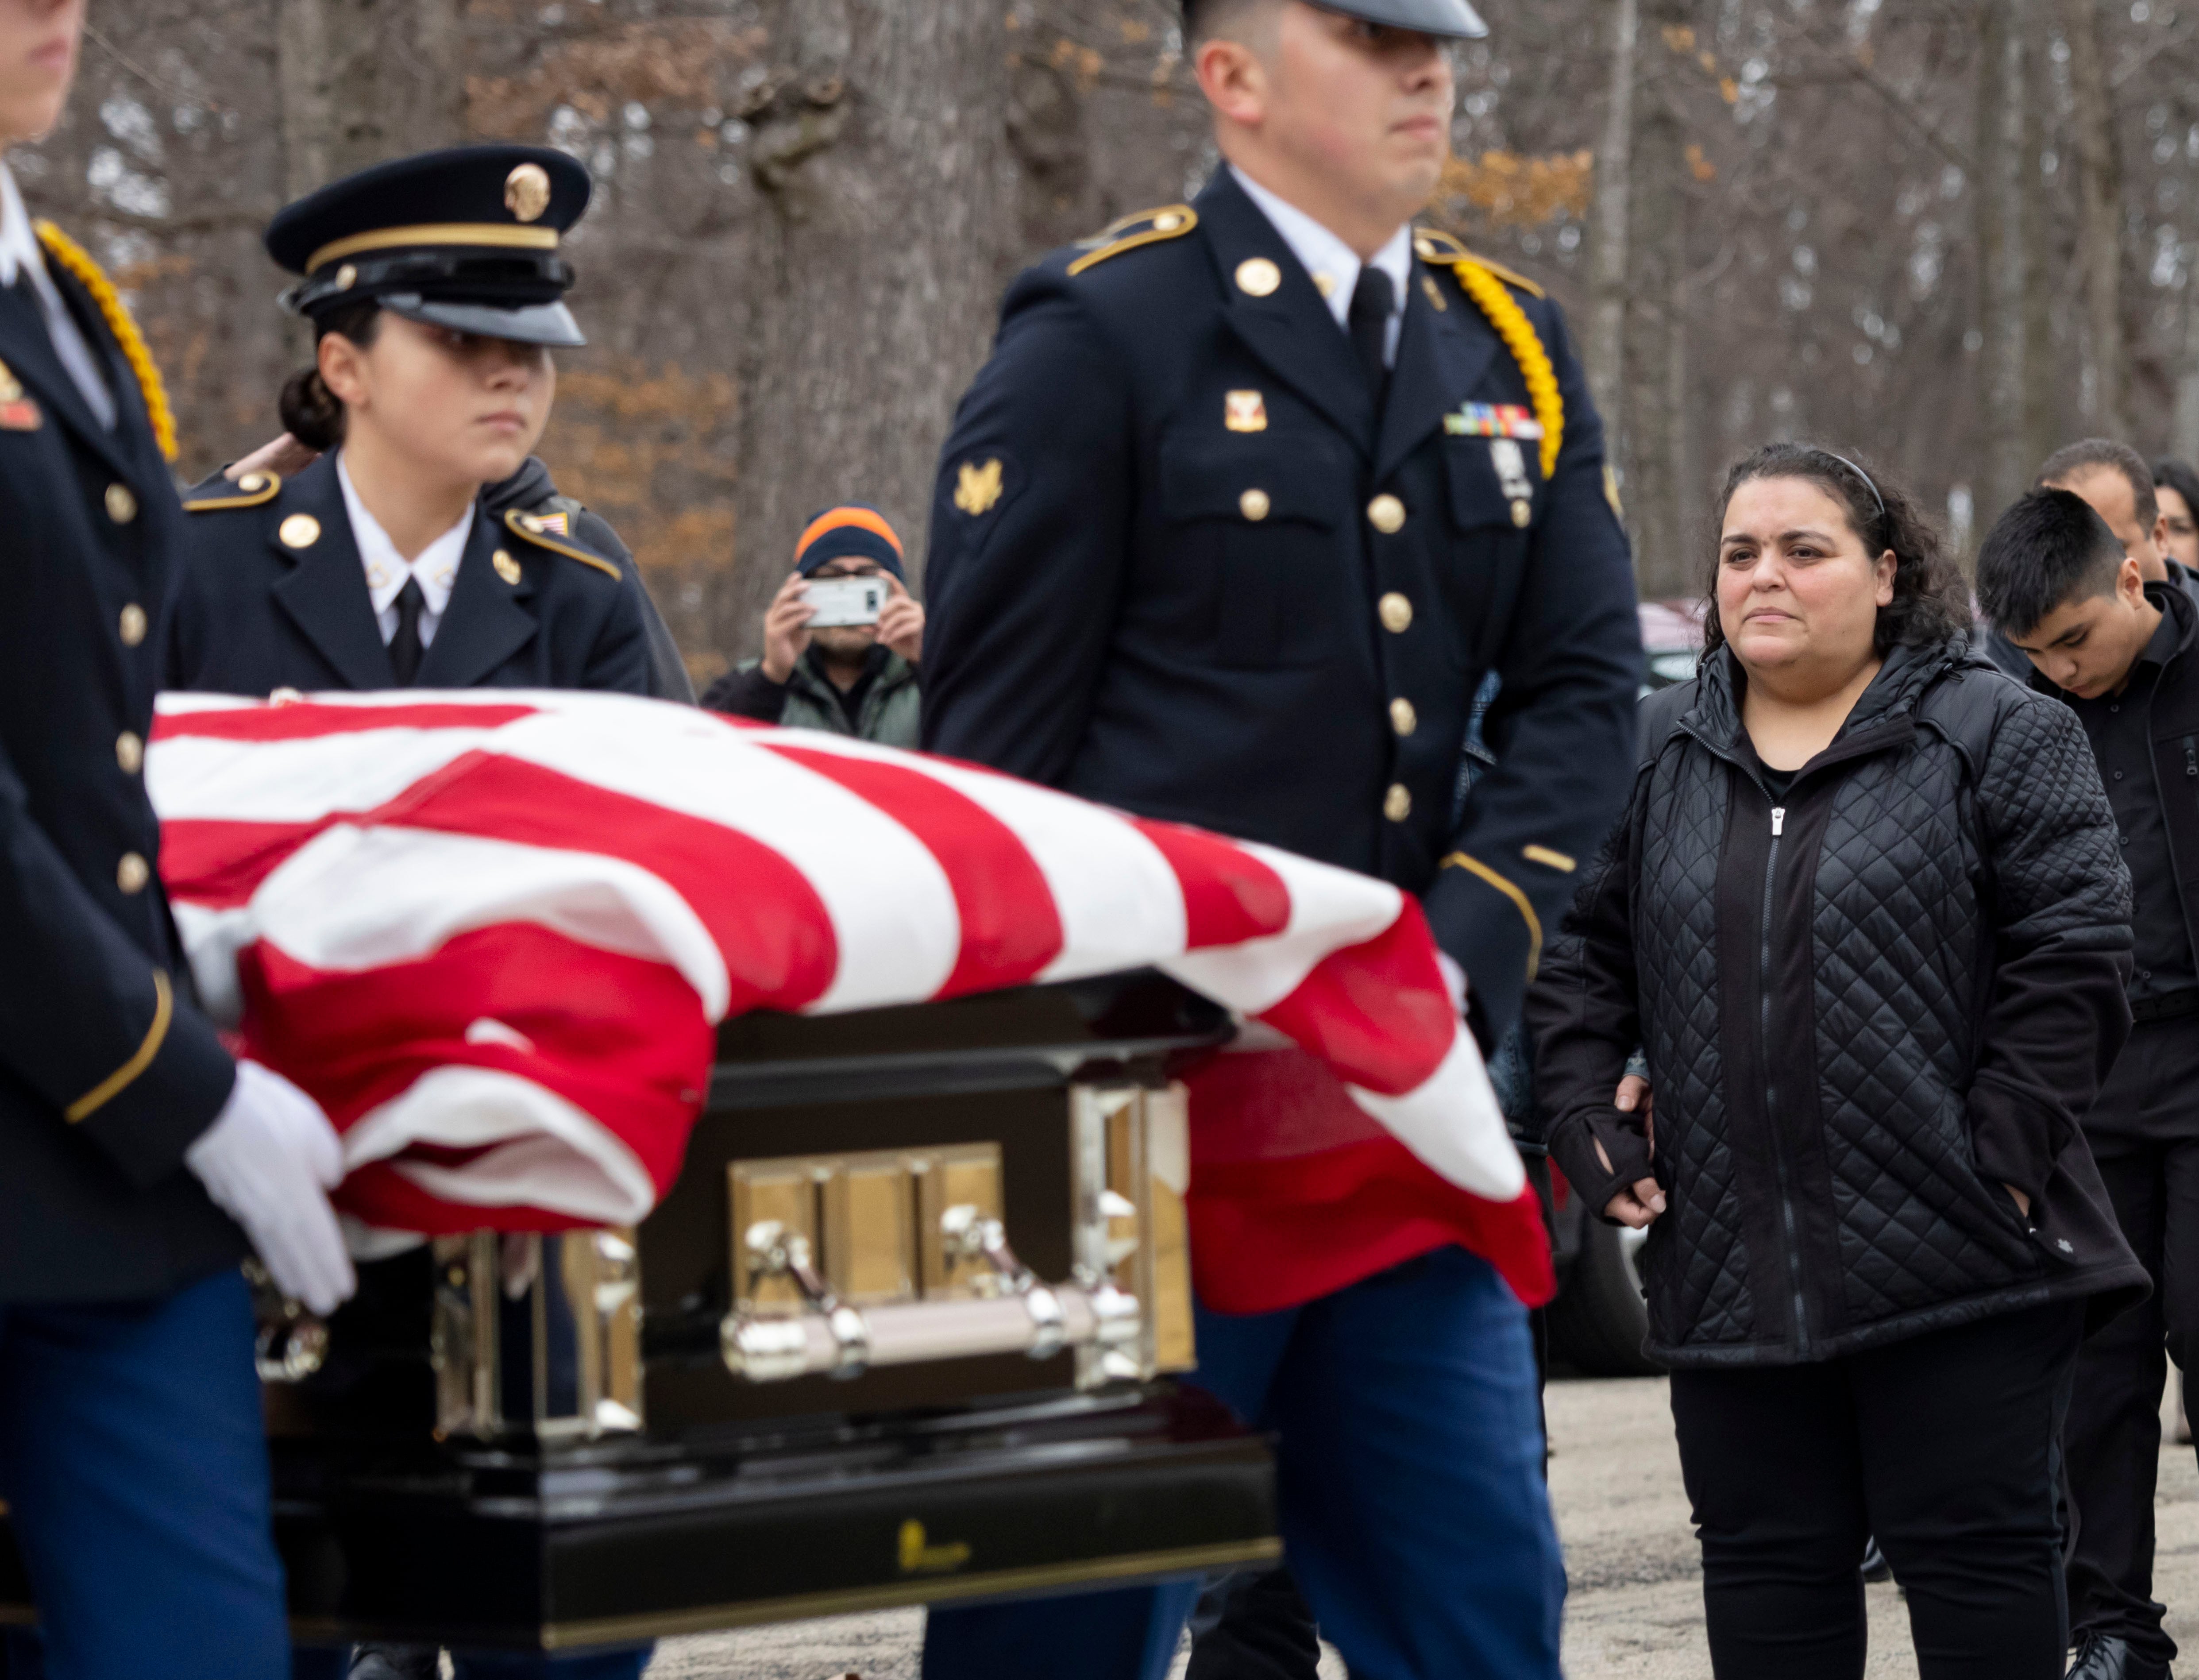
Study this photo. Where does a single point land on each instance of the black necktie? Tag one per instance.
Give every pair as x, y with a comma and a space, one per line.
1370, 325
405, 648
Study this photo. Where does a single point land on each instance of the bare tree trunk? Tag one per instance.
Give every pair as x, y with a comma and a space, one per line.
362, 81
2099, 189
2045, 403
886, 159
2003, 252
1654, 408
2184, 427
1606, 348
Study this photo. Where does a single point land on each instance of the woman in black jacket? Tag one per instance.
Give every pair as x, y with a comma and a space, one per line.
1866, 916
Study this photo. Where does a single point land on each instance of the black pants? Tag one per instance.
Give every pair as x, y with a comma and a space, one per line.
1945, 1446
2144, 1134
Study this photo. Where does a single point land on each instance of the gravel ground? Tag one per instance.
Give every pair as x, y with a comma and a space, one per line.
1635, 1607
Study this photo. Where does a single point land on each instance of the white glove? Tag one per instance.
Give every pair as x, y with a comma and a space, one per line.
269, 1161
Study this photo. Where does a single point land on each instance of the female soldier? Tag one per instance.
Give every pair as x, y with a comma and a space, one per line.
1866, 914
435, 290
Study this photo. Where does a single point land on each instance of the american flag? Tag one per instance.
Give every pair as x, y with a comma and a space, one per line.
493, 933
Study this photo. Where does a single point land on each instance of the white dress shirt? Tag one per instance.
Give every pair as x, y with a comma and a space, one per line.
436, 566
20, 255
1335, 264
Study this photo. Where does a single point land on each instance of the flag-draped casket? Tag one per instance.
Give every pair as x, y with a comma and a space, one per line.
494, 934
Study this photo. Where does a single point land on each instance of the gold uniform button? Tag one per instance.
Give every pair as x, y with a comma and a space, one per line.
300, 530
1386, 514
1166, 222
133, 625
1254, 505
129, 752
121, 505
1424, 248
1402, 718
1257, 277
132, 873
252, 483
1397, 803
1523, 512
1396, 613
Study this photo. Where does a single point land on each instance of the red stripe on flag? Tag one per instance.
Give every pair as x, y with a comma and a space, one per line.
1270, 1234
300, 720
766, 918
1229, 895
220, 864
1377, 1012
1011, 929
622, 1038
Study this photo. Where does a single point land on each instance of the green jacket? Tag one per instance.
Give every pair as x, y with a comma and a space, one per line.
890, 713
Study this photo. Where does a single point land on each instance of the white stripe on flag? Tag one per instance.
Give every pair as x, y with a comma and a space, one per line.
891, 905
354, 899
548, 1154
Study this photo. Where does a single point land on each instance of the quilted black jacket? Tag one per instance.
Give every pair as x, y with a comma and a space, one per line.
1865, 1011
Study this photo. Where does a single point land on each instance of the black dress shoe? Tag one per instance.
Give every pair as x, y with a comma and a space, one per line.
396, 1662
2107, 1656
1875, 1569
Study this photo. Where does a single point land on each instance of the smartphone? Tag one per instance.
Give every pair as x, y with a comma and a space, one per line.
840, 601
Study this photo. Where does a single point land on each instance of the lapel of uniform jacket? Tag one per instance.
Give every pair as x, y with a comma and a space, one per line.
324, 591
29, 353
1442, 355
1291, 329
487, 620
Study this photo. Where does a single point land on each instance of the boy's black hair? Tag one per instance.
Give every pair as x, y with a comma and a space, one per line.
2049, 548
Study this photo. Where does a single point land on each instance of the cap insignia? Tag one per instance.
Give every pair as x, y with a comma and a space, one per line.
527, 191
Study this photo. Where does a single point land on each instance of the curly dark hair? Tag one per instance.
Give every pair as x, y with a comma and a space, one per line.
1931, 601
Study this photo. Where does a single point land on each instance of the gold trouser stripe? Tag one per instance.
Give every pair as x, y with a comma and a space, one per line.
164, 1011
437, 233
1475, 865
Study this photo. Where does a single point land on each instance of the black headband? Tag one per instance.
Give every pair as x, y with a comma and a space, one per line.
1861, 474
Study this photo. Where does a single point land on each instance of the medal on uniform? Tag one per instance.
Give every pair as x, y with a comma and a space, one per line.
18, 413
1494, 420
1245, 411
1511, 463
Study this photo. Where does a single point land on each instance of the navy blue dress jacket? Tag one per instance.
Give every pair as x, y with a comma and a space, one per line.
1180, 564
274, 595
107, 1071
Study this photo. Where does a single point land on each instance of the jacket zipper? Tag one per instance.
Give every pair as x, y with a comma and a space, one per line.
1770, 1090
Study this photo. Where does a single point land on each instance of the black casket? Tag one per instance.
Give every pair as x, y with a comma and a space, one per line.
901, 1333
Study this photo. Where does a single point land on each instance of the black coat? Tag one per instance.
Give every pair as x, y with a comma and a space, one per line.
107, 1071
254, 612
1865, 1011
1135, 600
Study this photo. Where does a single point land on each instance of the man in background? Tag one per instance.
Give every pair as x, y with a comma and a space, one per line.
857, 679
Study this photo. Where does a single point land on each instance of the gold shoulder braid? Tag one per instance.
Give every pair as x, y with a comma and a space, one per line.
1518, 333
78, 261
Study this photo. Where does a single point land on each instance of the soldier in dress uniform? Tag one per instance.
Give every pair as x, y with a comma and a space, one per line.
1251, 495
133, 1466
436, 290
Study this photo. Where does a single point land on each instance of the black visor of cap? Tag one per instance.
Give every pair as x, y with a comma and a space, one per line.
1453, 18
551, 323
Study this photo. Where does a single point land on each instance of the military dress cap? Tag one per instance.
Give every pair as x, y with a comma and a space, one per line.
466, 238
1453, 18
